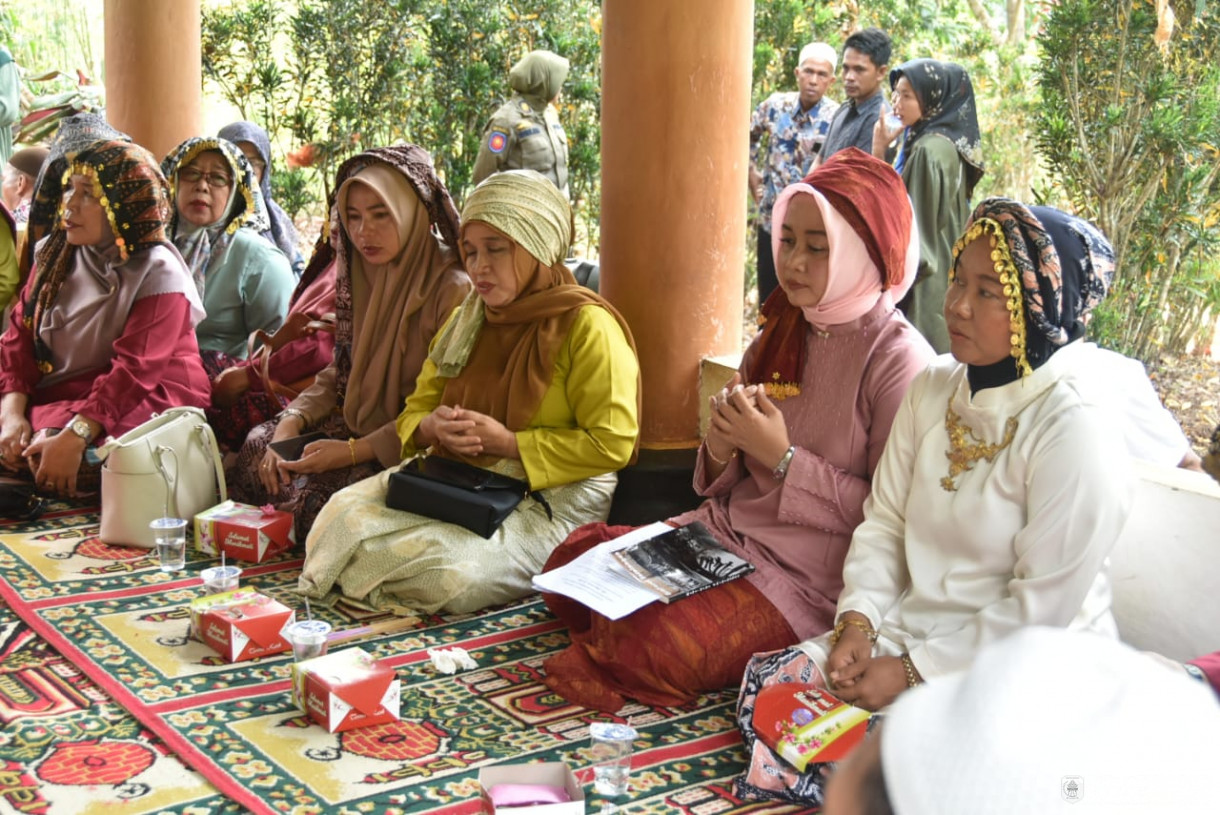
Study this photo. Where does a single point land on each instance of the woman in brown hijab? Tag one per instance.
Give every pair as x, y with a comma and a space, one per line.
534, 377
396, 284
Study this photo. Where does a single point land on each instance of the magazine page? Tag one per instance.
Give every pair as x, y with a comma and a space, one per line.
598, 581
682, 561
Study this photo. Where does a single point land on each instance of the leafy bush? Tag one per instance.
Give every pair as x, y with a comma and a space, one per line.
340, 75
1128, 127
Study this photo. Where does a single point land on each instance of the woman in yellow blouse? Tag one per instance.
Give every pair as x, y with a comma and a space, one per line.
534, 377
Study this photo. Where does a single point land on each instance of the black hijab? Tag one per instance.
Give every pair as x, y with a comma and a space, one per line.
946, 98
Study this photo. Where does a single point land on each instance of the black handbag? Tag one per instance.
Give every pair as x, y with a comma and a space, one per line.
19, 500
458, 493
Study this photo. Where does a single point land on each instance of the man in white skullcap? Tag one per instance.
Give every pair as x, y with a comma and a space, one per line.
795, 124
1047, 721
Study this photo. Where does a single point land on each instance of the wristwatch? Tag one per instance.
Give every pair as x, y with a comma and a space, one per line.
80, 427
781, 469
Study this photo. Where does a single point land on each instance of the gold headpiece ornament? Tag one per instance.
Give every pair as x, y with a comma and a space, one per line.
1010, 278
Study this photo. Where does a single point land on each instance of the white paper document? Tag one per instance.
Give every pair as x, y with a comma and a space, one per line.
596, 580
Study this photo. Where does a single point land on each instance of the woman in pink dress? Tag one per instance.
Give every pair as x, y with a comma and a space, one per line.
788, 459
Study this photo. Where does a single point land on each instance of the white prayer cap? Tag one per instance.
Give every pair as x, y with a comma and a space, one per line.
1049, 721
821, 52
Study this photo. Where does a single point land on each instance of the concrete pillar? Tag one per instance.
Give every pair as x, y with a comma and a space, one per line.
675, 122
154, 74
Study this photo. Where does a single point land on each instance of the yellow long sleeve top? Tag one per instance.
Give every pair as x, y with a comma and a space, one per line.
9, 279
587, 422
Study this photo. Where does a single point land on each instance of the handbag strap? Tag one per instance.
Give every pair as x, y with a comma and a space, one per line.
207, 438
261, 358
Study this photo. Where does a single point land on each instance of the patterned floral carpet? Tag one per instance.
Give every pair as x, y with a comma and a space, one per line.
106, 704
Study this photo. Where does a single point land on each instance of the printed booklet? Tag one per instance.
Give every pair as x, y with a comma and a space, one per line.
682, 561
806, 725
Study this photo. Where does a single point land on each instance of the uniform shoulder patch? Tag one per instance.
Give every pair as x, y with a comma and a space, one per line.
497, 140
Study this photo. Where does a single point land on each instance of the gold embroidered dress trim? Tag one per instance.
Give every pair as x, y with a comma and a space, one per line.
965, 448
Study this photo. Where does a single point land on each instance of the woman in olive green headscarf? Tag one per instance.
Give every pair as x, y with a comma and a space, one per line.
534, 377
525, 132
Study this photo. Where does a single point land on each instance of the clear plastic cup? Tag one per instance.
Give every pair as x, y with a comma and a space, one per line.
218, 579
611, 748
892, 121
169, 536
308, 638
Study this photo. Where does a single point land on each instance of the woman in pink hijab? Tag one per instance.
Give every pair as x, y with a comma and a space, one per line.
789, 454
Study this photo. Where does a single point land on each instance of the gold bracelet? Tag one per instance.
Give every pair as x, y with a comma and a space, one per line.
908, 667
721, 462
351, 445
841, 626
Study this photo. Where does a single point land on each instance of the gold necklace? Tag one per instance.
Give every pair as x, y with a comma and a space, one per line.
963, 452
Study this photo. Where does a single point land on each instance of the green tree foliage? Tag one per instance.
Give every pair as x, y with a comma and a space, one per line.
1129, 127
340, 75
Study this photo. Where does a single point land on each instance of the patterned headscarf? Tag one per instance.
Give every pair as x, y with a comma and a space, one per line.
135, 197
870, 205
280, 230
200, 244
75, 133
1055, 268
946, 97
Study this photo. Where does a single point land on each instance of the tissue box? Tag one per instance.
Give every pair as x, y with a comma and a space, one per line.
346, 689
551, 773
242, 624
243, 531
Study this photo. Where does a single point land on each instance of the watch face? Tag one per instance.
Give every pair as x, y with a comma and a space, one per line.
81, 429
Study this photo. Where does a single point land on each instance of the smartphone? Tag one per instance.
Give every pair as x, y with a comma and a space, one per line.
291, 449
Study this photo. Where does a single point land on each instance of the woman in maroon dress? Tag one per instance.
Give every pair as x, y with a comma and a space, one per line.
104, 335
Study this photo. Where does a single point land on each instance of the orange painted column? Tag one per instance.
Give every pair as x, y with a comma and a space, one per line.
675, 142
154, 74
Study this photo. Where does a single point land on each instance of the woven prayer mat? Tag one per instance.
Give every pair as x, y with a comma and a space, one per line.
111, 613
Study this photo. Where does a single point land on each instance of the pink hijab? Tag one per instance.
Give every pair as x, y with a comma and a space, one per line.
855, 282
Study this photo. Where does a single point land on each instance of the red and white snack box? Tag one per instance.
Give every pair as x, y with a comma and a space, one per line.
243, 531
242, 624
519, 777
346, 690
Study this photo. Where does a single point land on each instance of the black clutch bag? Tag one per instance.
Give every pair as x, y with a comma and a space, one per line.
457, 493
19, 500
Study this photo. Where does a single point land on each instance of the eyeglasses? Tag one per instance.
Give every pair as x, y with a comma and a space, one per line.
191, 175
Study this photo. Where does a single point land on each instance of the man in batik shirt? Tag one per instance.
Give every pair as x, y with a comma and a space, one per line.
795, 125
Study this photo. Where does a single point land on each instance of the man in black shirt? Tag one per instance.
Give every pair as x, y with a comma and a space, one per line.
866, 56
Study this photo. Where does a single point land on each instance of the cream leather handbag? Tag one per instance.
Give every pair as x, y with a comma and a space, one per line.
167, 467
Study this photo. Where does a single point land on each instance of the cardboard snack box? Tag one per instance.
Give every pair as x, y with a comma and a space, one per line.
550, 773
346, 690
243, 531
242, 624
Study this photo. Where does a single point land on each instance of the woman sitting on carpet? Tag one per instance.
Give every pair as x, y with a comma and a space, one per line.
535, 377
396, 283
788, 459
1000, 493
244, 281
255, 145
104, 335
300, 348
